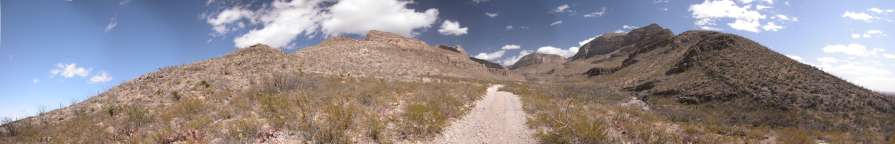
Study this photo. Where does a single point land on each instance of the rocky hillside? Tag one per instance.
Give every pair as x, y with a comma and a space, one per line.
718, 78
383, 89
535, 66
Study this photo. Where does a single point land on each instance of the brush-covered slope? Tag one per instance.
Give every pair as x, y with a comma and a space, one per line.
718, 77
392, 56
383, 89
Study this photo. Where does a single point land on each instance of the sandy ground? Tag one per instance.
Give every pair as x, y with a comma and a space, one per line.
496, 119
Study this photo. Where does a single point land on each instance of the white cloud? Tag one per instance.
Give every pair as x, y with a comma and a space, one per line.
625, 29
510, 47
742, 15
102, 77
889, 56
881, 11
281, 22
449, 27
852, 50
491, 15
509, 27
585, 41
558, 51
491, 56
228, 16
827, 60
597, 13
35, 81
113, 22
786, 18
360, 16
562, 8
795, 57
860, 16
868, 34
480, 1
771, 26
69, 70
866, 72
556, 23
512, 60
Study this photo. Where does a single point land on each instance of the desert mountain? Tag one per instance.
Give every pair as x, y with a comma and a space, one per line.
318, 94
711, 72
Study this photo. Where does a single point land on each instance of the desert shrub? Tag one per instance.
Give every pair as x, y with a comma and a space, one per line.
244, 130
422, 119
276, 108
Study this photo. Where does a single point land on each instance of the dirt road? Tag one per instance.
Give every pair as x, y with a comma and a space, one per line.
496, 119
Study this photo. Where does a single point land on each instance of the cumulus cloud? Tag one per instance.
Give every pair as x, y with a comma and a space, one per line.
868, 34
69, 71
741, 15
491, 56
510, 47
625, 29
491, 15
852, 50
113, 22
596, 13
771, 26
860, 16
449, 27
795, 57
556, 23
512, 60
866, 72
562, 8
281, 22
221, 23
558, 51
881, 11
102, 77
360, 16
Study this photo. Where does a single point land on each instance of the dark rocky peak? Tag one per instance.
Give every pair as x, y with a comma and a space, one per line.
643, 37
395, 39
538, 58
649, 33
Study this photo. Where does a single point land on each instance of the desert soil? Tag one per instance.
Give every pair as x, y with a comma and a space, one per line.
496, 119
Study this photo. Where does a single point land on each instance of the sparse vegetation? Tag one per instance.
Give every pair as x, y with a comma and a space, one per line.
314, 108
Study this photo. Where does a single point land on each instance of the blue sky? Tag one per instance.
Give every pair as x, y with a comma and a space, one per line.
56, 52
